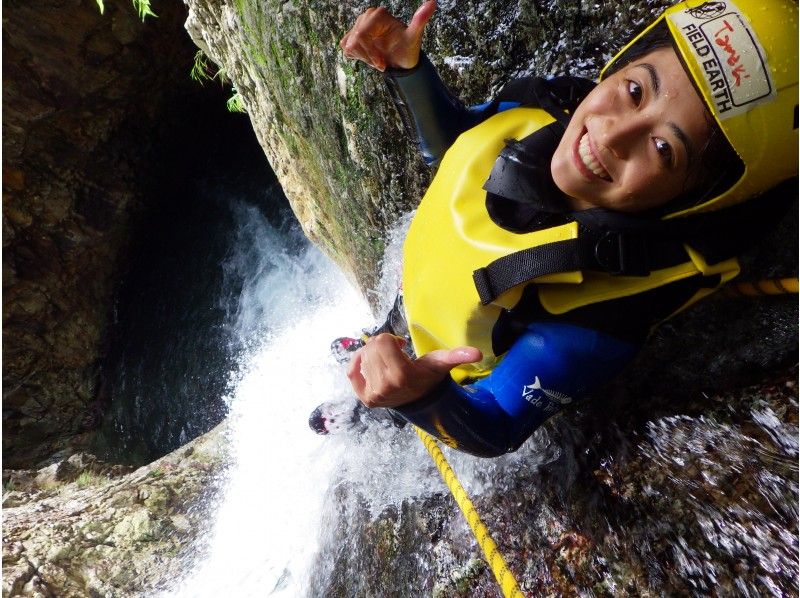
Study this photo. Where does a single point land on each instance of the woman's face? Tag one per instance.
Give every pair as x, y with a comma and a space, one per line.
631, 143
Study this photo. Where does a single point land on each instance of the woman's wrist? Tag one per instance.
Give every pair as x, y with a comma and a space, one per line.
396, 71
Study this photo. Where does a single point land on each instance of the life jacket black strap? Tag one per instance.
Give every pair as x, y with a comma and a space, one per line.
518, 267
559, 96
619, 253
633, 245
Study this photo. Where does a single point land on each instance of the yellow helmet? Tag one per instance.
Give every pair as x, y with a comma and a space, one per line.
743, 60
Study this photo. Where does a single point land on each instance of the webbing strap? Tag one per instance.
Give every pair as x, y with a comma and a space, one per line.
612, 252
518, 267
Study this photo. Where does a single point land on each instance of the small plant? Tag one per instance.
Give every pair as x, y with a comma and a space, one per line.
142, 7
200, 70
50, 485
9, 486
235, 103
86, 478
222, 75
157, 474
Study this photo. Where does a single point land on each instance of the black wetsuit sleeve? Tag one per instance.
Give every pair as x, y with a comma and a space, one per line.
429, 110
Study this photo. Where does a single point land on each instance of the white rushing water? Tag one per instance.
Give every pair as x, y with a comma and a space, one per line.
290, 308
267, 531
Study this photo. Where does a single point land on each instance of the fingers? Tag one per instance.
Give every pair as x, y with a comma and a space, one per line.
382, 375
379, 372
391, 364
380, 40
355, 376
356, 49
364, 39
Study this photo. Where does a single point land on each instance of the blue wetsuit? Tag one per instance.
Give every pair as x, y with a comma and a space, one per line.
551, 364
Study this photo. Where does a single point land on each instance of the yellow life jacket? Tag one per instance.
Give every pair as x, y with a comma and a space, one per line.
452, 236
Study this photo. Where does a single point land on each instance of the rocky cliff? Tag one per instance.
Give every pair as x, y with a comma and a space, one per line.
87, 100
80, 527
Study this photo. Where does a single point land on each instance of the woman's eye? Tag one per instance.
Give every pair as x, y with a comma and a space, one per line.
664, 150
635, 91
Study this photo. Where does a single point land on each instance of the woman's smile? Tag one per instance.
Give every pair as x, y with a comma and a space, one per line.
587, 159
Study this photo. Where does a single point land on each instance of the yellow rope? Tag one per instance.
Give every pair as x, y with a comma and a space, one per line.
776, 286
496, 561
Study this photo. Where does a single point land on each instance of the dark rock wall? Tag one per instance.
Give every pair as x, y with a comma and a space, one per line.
82, 94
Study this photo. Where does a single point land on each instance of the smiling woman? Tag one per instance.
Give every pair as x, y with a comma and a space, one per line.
567, 219
631, 144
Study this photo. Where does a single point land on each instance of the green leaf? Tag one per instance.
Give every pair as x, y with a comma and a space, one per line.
143, 8
200, 69
235, 103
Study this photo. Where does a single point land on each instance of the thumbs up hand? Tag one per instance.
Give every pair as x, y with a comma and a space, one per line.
382, 41
382, 375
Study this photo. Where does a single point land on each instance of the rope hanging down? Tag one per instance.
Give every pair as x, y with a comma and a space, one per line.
502, 574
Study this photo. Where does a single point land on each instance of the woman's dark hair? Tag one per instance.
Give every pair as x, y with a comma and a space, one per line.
718, 166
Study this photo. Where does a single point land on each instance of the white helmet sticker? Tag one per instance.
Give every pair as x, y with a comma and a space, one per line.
728, 54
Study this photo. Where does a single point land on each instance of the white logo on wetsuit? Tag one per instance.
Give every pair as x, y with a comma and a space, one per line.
529, 394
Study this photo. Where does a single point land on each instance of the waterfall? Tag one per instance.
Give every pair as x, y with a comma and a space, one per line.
291, 305
270, 523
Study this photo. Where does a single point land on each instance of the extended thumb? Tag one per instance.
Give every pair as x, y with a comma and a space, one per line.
445, 360
421, 17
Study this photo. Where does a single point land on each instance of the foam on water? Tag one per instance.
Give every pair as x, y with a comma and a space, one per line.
267, 530
266, 525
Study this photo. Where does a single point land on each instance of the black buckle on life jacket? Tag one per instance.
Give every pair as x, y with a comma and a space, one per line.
622, 254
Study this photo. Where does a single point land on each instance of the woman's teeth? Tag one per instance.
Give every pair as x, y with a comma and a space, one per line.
589, 160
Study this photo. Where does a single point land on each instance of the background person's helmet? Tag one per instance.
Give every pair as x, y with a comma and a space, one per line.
742, 58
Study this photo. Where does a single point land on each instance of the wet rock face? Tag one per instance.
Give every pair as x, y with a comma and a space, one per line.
328, 125
81, 96
80, 527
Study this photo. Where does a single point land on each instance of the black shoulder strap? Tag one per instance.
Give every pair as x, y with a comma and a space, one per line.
521, 172
722, 234
600, 247
635, 245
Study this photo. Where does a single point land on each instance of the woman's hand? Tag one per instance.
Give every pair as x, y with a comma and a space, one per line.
382, 374
382, 41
